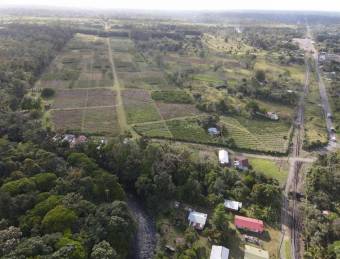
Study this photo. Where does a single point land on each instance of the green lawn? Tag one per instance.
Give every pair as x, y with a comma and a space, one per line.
270, 168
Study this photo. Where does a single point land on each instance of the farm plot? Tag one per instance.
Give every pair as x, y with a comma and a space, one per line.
73, 98
171, 110
139, 106
101, 97
153, 130
67, 119
258, 135
101, 121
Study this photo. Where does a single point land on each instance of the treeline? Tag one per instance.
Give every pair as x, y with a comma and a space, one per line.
321, 220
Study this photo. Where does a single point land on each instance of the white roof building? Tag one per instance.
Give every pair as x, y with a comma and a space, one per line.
197, 219
219, 252
223, 157
232, 205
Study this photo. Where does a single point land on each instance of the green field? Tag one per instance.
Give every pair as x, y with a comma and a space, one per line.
258, 135
273, 169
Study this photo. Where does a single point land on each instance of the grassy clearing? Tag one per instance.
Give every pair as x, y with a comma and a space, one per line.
258, 135
270, 168
208, 78
288, 249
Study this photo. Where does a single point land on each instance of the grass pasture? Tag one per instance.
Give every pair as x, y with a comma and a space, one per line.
274, 169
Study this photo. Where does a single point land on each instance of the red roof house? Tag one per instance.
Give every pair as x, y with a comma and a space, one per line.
250, 224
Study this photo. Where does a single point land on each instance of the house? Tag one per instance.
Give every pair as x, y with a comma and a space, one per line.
69, 138
223, 157
250, 224
77, 141
251, 252
213, 131
197, 220
219, 252
232, 205
272, 115
241, 162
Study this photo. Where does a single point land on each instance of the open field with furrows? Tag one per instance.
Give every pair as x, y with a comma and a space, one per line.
80, 98
139, 106
258, 135
83, 63
173, 110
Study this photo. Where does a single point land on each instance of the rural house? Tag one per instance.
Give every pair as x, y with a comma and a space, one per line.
219, 252
252, 252
241, 162
77, 141
232, 205
223, 157
250, 224
197, 219
69, 138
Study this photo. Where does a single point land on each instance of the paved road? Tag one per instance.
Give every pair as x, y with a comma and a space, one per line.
324, 100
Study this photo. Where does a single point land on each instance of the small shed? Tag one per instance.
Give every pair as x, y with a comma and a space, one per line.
219, 252
250, 224
223, 157
197, 220
241, 162
232, 205
213, 131
272, 116
251, 252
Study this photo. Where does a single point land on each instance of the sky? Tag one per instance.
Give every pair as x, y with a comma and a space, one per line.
312, 5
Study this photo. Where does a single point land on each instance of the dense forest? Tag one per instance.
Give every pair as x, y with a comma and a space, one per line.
321, 225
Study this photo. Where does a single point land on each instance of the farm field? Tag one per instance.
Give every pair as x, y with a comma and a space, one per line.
258, 135
162, 92
82, 79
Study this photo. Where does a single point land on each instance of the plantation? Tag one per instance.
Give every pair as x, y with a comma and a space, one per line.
258, 135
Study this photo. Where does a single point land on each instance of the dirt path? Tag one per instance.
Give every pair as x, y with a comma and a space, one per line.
116, 86
145, 239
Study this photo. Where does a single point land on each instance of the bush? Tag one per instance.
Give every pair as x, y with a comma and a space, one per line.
59, 219
47, 92
44, 181
19, 186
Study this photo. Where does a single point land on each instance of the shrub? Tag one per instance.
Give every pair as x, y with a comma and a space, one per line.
44, 181
59, 219
19, 186
47, 92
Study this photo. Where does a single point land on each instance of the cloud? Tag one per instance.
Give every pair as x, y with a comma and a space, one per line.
315, 5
